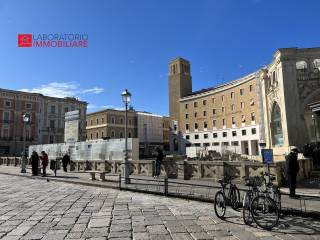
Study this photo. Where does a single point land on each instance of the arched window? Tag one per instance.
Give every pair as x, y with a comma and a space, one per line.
129, 135
112, 134
121, 134
121, 120
316, 64
276, 126
301, 66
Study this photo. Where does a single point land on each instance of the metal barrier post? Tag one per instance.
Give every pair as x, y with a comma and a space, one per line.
165, 185
120, 181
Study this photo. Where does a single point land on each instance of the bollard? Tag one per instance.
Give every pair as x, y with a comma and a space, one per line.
165, 185
120, 181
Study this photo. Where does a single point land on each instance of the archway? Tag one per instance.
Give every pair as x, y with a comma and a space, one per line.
175, 145
276, 126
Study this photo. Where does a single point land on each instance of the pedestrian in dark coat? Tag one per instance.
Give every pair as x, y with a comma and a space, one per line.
44, 161
65, 162
292, 169
159, 159
34, 163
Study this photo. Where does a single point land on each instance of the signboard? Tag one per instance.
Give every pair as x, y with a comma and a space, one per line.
71, 128
267, 156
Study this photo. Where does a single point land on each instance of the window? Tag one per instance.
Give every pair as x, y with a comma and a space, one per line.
28, 105
196, 126
252, 116
195, 114
204, 102
243, 118
224, 134
112, 120
187, 137
213, 111
251, 102
97, 135
233, 120
316, 64
174, 127
301, 66
53, 109
91, 122
232, 95
121, 120
206, 144
86, 123
52, 123
233, 107
253, 131
91, 136
187, 126
213, 100
97, 121
241, 91
51, 139
204, 113
205, 136
187, 116
7, 104
112, 134
223, 122
6, 117
121, 134
205, 125
215, 135
234, 133
186, 106
195, 104
251, 88
215, 144
101, 134
225, 144
222, 109
214, 123
72, 108
5, 133
197, 145
222, 98
242, 105
244, 132
235, 143
66, 109
129, 135
196, 136
102, 120
130, 121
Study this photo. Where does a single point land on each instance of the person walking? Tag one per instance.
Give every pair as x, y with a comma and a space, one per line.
65, 162
34, 163
159, 159
44, 162
292, 169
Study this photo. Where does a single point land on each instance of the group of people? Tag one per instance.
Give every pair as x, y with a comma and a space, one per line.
35, 158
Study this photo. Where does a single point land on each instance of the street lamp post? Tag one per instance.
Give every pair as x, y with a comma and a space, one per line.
25, 119
126, 97
314, 127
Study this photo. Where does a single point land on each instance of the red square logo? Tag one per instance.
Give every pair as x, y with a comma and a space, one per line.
24, 40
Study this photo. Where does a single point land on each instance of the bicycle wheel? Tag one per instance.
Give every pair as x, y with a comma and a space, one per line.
264, 212
277, 197
219, 204
234, 197
246, 213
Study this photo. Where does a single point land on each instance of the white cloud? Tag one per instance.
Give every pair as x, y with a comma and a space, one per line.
63, 89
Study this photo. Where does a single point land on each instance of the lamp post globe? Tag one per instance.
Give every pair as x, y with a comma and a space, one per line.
126, 98
25, 120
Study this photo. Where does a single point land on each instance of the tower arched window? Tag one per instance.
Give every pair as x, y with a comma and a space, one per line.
276, 125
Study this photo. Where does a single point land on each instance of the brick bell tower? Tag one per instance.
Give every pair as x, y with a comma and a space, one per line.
180, 85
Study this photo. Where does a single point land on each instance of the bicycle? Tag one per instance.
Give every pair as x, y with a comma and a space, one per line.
264, 210
222, 198
252, 183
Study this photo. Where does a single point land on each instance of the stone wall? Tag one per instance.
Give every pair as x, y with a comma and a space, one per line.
187, 170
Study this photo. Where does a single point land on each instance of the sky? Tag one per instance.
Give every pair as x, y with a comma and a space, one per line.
130, 44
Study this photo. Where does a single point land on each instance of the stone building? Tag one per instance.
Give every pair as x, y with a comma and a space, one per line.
47, 119
151, 129
275, 107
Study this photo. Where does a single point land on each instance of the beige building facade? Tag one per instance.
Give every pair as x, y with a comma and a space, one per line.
47, 119
275, 107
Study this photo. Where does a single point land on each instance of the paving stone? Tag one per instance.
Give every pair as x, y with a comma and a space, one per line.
157, 229
201, 236
160, 237
121, 227
140, 236
123, 234
98, 222
181, 236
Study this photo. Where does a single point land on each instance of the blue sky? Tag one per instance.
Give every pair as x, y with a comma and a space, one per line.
132, 41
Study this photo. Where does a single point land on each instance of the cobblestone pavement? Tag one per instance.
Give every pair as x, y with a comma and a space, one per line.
35, 209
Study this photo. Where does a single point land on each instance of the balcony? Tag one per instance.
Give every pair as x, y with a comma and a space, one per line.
306, 76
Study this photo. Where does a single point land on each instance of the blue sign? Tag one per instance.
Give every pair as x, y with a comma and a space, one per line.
267, 156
